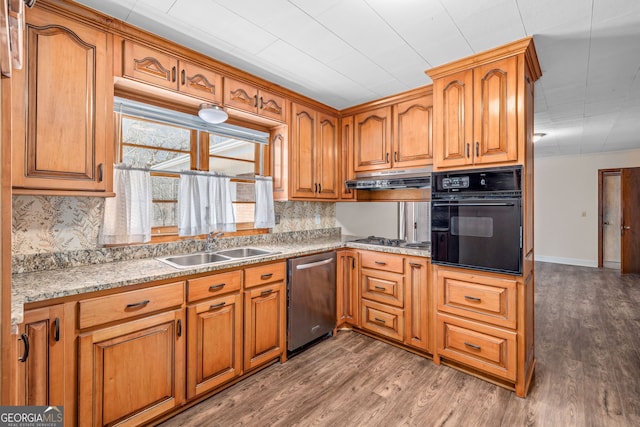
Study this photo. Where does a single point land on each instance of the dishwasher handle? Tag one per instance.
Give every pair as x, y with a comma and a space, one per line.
314, 264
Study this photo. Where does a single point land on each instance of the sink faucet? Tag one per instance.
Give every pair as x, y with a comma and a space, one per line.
211, 238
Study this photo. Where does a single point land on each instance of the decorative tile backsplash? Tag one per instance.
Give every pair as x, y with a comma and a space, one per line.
43, 224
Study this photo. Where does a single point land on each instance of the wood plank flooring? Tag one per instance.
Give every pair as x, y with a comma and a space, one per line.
588, 372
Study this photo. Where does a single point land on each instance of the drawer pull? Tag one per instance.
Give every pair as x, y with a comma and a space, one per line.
137, 304
266, 276
25, 339
377, 319
56, 329
214, 306
380, 288
473, 346
381, 263
474, 299
216, 287
267, 292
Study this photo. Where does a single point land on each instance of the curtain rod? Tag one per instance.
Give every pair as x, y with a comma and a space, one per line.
192, 172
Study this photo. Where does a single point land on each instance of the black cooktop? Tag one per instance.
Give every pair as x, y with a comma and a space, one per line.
399, 243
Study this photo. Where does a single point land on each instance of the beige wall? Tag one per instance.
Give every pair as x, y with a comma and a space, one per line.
565, 188
368, 218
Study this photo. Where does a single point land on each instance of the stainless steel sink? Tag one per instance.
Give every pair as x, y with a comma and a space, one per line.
243, 252
193, 260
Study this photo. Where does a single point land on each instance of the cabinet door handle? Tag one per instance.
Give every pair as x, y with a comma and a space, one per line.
179, 327
470, 298
353, 263
217, 287
315, 187
56, 329
477, 149
137, 304
387, 161
267, 292
173, 73
100, 172
468, 148
395, 156
25, 354
381, 263
214, 306
319, 188
377, 319
255, 101
380, 288
261, 103
183, 77
266, 276
473, 346
415, 265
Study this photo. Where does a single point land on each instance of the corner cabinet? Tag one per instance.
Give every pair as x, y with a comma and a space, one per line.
347, 291
314, 159
63, 102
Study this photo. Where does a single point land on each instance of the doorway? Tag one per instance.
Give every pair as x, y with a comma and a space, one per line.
618, 219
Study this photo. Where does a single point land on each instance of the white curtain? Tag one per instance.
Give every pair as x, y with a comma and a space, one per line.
220, 207
264, 216
204, 204
127, 216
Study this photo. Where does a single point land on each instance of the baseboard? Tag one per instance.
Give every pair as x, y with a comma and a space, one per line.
570, 261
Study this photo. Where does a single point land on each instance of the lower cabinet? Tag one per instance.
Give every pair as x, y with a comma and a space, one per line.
419, 309
347, 288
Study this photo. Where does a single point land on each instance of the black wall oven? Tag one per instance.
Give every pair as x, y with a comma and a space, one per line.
476, 219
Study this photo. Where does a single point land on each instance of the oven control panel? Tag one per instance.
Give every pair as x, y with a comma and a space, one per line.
452, 182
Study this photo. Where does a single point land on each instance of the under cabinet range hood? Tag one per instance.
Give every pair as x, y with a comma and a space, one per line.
391, 179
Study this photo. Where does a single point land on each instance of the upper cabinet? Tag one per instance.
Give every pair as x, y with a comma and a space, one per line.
151, 66
313, 169
479, 117
62, 104
394, 136
246, 97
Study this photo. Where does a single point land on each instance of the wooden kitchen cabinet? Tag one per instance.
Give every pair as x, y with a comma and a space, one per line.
154, 67
314, 146
63, 104
346, 158
265, 313
347, 295
419, 307
372, 140
246, 97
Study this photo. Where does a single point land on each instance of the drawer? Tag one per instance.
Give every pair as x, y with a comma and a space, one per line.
216, 284
384, 287
256, 276
96, 311
383, 319
381, 261
485, 298
489, 349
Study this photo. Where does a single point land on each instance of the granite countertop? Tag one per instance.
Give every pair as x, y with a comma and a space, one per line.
51, 284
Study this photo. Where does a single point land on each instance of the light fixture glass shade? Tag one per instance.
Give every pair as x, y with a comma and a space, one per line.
212, 113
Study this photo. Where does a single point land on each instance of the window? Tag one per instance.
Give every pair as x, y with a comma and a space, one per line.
166, 142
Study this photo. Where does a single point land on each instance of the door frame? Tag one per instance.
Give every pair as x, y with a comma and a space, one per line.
601, 174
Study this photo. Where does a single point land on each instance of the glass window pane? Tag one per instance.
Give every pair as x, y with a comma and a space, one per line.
222, 146
164, 188
164, 214
244, 192
231, 167
156, 159
143, 132
244, 212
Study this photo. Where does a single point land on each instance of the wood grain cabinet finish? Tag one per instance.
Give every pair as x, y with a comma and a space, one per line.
62, 103
346, 158
382, 319
246, 97
152, 66
132, 372
372, 140
419, 316
214, 343
347, 295
314, 146
213, 285
264, 274
412, 132
382, 286
41, 363
382, 261
476, 115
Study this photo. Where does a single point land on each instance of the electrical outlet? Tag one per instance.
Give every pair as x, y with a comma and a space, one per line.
317, 219
277, 219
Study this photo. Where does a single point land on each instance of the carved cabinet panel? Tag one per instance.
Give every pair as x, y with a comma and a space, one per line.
246, 97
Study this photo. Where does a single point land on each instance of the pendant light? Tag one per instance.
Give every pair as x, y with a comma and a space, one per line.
212, 113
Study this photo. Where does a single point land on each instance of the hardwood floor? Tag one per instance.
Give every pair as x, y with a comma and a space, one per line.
588, 372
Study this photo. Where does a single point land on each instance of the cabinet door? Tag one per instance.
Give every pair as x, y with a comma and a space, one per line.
413, 121
326, 156
280, 162
200, 82
264, 324
149, 65
453, 126
346, 158
272, 106
242, 96
41, 373
347, 288
214, 343
62, 137
372, 140
495, 114
418, 321
303, 145
132, 372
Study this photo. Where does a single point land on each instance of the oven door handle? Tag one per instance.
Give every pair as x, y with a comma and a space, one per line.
437, 205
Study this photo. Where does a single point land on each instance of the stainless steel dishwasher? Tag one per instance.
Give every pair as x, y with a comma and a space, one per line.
311, 287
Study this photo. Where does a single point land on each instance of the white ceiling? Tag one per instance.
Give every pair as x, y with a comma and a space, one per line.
346, 52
